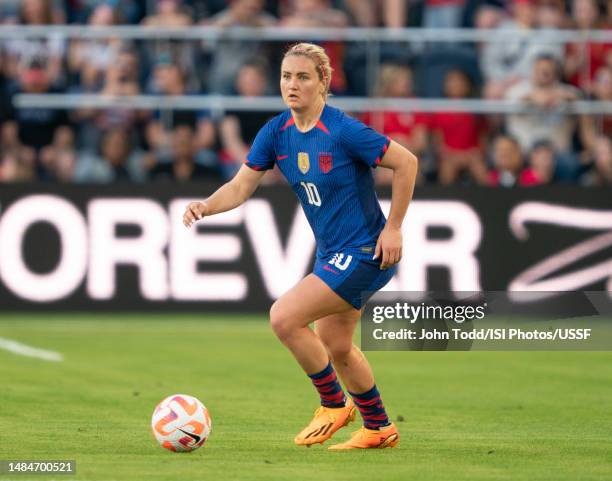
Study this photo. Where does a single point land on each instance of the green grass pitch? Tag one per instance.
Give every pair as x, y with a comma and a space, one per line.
466, 415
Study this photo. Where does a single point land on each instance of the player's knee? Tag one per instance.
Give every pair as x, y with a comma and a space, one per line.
279, 321
339, 350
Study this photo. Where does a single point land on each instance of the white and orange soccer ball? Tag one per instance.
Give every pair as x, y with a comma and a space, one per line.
181, 423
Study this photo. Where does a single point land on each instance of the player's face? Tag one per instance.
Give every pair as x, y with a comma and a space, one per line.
300, 84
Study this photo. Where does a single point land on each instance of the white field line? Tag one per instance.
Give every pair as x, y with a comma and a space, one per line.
29, 351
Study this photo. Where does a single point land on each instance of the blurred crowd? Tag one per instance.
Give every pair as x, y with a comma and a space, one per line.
545, 145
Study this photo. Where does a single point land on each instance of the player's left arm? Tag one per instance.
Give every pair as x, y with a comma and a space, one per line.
404, 165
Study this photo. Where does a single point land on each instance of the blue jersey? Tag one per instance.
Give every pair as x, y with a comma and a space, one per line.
330, 169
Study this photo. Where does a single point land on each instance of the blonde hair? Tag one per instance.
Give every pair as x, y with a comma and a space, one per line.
320, 58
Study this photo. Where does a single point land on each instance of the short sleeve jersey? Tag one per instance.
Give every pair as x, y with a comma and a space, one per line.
330, 170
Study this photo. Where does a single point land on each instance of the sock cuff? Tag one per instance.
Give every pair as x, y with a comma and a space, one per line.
325, 372
370, 394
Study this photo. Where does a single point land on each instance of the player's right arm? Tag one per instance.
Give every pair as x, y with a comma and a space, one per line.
241, 187
227, 197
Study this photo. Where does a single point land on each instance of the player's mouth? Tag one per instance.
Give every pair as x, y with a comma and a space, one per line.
292, 97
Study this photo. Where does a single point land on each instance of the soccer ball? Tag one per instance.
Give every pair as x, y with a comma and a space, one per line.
181, 423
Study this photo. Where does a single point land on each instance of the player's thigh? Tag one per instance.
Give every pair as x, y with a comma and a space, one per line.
309, 300
337, 330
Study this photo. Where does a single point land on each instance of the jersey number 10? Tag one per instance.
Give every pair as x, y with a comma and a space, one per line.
313, 194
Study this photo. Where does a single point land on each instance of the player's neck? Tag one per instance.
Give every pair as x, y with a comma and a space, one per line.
307, 119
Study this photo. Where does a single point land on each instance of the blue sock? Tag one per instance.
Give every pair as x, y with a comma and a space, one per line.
330, 390
371, 407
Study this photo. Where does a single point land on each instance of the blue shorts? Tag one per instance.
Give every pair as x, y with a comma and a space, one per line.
353, 275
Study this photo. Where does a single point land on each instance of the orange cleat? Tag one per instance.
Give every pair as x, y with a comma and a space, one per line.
365, 438
325, 423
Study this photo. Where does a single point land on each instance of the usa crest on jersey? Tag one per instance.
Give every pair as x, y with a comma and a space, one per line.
325, 162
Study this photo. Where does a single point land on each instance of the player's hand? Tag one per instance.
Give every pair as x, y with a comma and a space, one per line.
389, 245
194, 212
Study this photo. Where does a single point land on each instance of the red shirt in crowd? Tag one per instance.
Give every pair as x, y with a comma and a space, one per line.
460, 131
529, 178
389, 123
526, 178
597, 53
438, 3
607, 125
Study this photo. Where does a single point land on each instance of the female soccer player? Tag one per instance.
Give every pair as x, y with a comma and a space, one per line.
327, 158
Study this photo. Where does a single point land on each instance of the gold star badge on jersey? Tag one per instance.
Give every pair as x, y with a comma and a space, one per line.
303, 162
